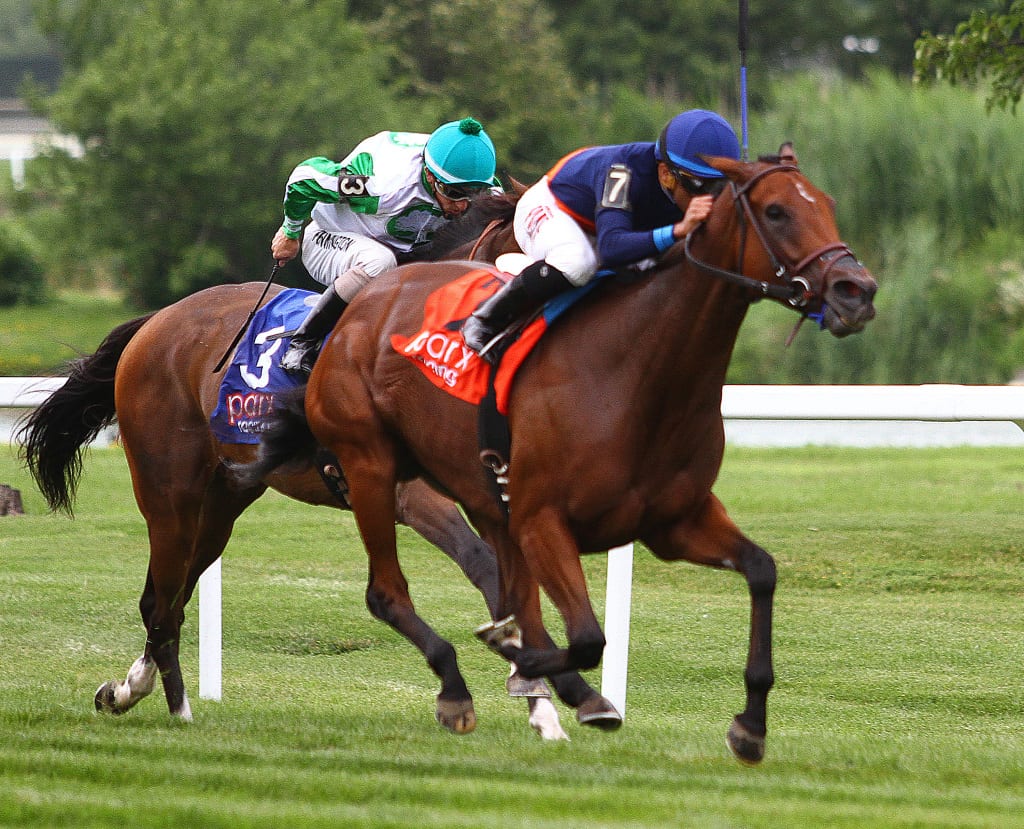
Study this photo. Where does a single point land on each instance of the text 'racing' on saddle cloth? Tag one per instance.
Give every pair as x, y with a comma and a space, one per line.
246, 396
443, 356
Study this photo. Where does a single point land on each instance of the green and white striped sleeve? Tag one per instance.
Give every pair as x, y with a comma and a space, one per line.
314, 180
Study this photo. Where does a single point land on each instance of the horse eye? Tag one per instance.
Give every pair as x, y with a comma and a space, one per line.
774, 212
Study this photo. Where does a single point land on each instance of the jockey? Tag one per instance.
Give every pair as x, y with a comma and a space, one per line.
391, 193
606, 207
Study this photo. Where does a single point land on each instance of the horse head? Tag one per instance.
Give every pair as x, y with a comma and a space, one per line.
787, 246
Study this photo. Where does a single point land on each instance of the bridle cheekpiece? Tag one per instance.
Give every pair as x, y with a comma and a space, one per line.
796, 289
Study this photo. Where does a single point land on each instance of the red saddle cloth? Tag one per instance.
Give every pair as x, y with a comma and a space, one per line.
439, 351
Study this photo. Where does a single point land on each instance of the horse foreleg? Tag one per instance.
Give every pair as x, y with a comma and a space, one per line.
712, 539
549, 558
747, 733
521, 597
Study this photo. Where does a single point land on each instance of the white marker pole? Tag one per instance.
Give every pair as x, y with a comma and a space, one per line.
210, 626
618, 594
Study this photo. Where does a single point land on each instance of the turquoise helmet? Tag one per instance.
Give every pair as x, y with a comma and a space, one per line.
460, 152
694, 133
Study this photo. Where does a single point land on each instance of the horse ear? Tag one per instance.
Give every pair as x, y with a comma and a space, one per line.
738, 171
515, 186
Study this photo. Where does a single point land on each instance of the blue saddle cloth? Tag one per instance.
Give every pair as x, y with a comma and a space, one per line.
246, 397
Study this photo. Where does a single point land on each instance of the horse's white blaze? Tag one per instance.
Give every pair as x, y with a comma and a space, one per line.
544, 719
800, 189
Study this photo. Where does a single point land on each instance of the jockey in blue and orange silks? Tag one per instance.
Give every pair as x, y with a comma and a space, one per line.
607, 206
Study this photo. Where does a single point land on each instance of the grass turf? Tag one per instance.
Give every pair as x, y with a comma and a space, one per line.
897, 704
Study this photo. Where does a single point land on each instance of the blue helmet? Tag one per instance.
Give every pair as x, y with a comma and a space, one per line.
460, 152
694, 133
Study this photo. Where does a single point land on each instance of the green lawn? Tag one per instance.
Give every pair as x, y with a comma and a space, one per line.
38, 340
898, 651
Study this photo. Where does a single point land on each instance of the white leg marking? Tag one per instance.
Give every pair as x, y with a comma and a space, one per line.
142, 677
544, 719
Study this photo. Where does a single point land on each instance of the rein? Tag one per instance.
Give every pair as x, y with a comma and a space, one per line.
494, 224
796, 288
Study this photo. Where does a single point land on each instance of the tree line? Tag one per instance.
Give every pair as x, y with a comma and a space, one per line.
192, 114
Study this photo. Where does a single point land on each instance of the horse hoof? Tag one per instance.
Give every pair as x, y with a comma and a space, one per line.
746, 747
457, 716
105, 700
518, 686
599, 713
497, 635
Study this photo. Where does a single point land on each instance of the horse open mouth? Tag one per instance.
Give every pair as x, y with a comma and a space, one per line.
849, 305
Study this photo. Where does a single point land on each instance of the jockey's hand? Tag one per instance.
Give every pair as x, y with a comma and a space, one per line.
696, 212
283, 249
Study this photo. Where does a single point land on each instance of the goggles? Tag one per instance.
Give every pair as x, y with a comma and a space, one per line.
698, 186
460, 192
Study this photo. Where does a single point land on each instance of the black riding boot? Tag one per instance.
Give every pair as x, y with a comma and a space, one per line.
526, 293
302, 351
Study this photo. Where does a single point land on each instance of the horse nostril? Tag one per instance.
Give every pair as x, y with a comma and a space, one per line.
850, 290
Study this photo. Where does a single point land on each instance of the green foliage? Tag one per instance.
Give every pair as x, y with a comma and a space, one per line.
987, 45
21, 274
928, 192
498, 60
19, 36
897, 650
192, 115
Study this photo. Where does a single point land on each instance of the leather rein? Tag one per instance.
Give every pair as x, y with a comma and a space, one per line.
795, 288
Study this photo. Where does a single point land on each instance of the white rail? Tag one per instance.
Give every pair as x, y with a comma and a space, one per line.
948, 403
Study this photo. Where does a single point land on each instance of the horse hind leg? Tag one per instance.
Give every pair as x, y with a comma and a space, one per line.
183, 543
387, 594
388, 600
116, 697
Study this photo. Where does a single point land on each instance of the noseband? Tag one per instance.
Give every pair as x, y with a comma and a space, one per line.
795, 288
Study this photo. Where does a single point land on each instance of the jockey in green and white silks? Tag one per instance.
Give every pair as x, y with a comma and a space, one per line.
376, 200
390, 194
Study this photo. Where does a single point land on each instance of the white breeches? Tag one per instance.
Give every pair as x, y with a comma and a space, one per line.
327, 255
544, 231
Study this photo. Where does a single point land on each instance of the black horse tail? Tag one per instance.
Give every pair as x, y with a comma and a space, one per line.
54, 435
287, 441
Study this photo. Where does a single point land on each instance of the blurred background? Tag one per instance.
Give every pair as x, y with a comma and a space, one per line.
144, 148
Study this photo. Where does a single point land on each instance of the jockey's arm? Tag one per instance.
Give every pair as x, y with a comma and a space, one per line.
314, 180
619, 244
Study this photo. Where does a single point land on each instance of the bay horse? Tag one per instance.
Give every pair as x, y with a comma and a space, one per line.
155, 377
615, 421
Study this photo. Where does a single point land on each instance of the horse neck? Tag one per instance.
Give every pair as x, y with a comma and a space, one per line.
688, 320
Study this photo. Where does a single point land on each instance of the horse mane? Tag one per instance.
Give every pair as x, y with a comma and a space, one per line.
467, 228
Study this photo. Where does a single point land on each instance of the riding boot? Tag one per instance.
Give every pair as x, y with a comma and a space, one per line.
303, 349
524, 294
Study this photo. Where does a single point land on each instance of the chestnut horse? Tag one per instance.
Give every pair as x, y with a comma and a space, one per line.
164, 362
615, 420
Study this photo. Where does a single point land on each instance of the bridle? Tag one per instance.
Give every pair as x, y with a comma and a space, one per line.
796, 288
